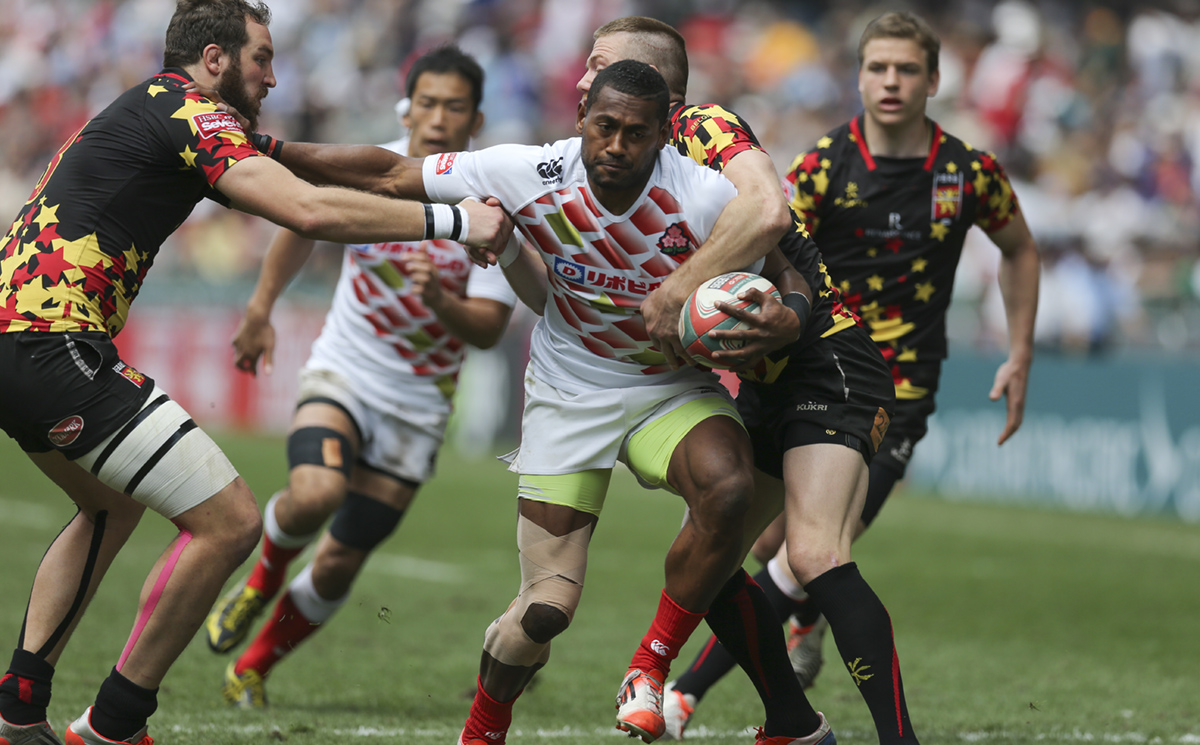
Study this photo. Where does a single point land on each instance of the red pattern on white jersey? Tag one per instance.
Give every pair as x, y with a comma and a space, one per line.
601, 266
619, 265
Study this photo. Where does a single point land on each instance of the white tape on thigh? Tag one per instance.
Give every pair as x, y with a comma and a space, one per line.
183, 474
552, 573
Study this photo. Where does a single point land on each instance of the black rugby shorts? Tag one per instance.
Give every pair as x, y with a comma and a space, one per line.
836, 390
66, 391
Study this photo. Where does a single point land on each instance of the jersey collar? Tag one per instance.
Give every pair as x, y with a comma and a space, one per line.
856, 130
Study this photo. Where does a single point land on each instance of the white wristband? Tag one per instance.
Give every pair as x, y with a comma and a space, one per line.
511, 253
446, 221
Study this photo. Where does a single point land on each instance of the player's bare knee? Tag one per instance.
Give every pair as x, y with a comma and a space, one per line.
723, 501
543, 622
314, 493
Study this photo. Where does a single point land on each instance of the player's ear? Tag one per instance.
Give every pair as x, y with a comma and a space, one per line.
580, 115
664, 135
477, 123
211, 57
935, 79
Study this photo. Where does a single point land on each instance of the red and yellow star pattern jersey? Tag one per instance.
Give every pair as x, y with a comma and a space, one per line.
711, 136
892, 230
77, 253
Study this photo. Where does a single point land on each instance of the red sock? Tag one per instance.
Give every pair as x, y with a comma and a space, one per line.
271, 569
283, 633
670, 631
489, 719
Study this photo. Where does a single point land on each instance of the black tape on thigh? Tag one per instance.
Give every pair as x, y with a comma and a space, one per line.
320, 446
363, 523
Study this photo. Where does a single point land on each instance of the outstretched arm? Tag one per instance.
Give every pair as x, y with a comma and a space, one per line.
1019, 273
362, 167
255, 336
260, 186
749, 226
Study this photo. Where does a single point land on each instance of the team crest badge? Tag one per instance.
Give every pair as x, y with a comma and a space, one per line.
445, 164
674, 240
127, 372
947, 195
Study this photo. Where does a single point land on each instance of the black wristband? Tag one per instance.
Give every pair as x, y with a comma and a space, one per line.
266, 144
428, 222
800, 305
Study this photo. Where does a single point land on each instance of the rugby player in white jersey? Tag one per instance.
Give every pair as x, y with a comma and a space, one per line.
374, 395
611, 216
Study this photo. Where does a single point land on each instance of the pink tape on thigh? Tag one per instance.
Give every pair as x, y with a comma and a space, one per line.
155, 593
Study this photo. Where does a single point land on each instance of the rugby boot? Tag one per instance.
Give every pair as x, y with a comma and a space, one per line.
245, 691
677, 710
27, 734
462, 740
81, 733
823, 736
804, 649
640, 706
232, 617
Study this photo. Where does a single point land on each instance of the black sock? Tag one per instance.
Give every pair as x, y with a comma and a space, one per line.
25, 689
863, 632
122, 707
743, 620
714, 661
781, 603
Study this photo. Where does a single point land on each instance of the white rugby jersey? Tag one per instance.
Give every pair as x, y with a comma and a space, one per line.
601, 266
382, 338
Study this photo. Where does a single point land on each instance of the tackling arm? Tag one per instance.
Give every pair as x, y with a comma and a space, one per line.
1019, 273
749, 226
363, 167
260, 186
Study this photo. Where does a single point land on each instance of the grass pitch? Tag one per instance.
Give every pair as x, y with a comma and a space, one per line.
1012, 625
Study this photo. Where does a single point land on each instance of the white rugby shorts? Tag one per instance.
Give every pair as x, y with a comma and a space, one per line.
565, 432
403, 446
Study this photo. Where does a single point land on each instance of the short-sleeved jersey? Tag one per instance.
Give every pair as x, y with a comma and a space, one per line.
601, 266
712, 136
381, 337
892, 231
76, 256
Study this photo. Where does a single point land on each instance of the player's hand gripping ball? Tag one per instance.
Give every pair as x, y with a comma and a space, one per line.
700, 315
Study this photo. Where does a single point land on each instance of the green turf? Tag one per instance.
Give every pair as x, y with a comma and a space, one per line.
1013, 625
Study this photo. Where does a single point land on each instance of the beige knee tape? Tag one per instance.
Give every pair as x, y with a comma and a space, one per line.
552, 572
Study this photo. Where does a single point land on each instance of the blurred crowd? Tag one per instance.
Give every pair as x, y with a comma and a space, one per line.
1093, 107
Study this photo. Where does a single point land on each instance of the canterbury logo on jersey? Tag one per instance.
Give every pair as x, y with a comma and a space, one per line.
550, 171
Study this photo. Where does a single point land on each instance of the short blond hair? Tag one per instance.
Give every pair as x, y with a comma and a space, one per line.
903, 25
659, 44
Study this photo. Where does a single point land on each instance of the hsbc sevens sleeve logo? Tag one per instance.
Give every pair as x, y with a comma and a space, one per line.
550, 171
674, 240
213, 122
445, 164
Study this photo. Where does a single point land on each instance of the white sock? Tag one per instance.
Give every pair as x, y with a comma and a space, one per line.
784, 581
277, 534
304, 595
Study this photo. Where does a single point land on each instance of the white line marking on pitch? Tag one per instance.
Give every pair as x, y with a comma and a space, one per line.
413, 568
700, 733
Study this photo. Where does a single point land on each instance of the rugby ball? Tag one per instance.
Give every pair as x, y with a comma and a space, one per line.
700, 314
